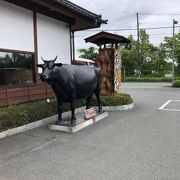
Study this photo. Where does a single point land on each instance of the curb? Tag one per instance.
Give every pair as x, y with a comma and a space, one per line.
118, 108
36, 124
52, 119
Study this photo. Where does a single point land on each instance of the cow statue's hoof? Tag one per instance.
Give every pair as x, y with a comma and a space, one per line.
100, 111
73, 121
58, 122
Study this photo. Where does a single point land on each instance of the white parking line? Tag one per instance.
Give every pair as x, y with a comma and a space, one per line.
165, 104
176, 110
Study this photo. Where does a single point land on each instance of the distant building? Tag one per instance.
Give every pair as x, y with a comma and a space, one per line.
83, 61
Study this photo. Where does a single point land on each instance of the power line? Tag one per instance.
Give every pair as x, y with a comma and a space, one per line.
162, 27
160, 14
150, 35
133, 29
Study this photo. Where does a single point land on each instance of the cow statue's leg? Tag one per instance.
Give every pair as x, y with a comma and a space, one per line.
59, 121
97, 93
73, 117
72, 100
88, 101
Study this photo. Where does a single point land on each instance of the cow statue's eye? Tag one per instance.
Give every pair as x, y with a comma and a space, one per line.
44, 66
50, 66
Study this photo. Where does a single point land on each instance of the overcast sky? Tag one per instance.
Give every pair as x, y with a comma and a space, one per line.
121, 14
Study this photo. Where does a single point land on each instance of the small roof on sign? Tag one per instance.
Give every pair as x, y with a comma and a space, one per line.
107, 38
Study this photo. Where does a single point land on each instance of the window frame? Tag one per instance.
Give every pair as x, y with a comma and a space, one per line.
33, 69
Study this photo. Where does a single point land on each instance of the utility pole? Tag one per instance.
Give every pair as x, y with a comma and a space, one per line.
138, 54
173, 49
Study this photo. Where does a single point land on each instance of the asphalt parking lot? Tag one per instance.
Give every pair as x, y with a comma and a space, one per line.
139, 144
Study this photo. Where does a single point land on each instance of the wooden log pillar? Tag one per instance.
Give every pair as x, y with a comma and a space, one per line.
109, 61
117, 69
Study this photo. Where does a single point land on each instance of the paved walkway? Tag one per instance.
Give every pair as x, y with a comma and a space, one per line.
139, 144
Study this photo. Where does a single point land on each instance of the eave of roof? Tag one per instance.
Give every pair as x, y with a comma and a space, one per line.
107, 38
77, 17
77, 8
96, 20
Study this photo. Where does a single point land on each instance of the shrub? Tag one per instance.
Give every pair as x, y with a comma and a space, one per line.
148, 79
113, 100
18, 115
176, 83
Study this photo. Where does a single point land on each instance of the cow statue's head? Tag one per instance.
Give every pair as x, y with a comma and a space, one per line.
47, 68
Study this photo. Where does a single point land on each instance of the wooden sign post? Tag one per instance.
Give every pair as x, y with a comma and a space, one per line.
89, 113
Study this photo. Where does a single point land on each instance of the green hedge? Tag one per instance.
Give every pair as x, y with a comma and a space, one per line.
18, 115
113, 100
176, 83
149, 79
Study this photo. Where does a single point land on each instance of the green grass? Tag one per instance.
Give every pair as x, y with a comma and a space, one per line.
18, 115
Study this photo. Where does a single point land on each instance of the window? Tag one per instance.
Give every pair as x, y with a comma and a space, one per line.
16, 68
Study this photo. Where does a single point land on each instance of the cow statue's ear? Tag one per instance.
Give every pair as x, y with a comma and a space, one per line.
39, 65
58, 64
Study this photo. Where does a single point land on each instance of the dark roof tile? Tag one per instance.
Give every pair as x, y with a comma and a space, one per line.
107, 38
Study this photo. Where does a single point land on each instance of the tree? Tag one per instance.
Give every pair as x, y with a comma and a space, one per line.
148, 54
152, 60
89, 53
167, 48
129, 58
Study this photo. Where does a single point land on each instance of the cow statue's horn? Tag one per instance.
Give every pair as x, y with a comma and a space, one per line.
52, 60
55, 58
42, 59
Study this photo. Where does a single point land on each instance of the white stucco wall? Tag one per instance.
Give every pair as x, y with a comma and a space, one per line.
17, 33
16, 27
53, 39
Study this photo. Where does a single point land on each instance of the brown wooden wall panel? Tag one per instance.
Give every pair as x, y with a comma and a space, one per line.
18, 93
38, 86
37, 91
2, 90
48, 86
2, 96
3, 102
51, 95
49, 89
16, 100
38, 97
15, 95
50, 92
17, 89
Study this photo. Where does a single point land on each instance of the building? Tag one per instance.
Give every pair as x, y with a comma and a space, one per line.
83, 61
33, 29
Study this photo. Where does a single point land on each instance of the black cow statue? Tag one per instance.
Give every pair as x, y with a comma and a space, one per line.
70, 82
